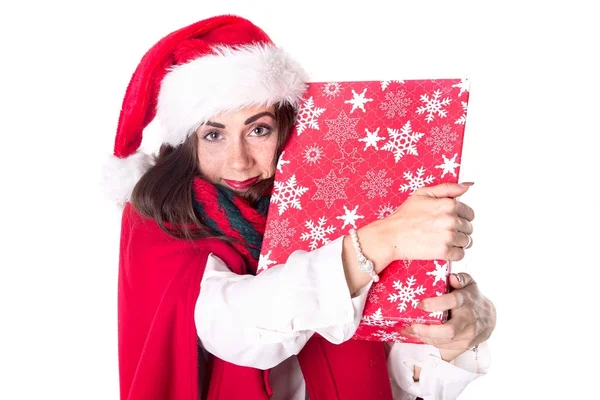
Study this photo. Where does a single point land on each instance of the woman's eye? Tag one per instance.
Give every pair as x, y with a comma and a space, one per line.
261, 130
212, 136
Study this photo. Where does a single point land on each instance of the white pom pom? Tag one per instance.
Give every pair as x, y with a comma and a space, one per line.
120, 175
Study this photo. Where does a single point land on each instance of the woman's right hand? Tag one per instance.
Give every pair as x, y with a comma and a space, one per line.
429, 225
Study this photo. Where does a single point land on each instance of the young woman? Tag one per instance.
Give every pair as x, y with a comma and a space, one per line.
195, 321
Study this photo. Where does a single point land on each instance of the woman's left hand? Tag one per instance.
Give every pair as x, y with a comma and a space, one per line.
472, 318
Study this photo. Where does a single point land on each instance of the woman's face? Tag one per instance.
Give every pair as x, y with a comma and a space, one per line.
238, 149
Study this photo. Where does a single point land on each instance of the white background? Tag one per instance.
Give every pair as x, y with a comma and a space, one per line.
531, 146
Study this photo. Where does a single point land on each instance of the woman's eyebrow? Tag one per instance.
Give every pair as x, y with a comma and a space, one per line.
246, 122
257, 116
215, 124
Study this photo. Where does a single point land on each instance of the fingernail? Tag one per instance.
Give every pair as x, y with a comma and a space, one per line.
458, 278
422, 305
466, 184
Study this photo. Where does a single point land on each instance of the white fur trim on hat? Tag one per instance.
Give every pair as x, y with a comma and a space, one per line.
122, 174
227, 80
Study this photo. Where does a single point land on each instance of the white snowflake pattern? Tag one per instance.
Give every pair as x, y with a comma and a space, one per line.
287, 194
371, 139
331, 89
308, 116
376, 319
373, 298
385, 84
433, 106
443, 138
463, 85
317, 233
396, 104
281, 162
403, 141
440, 273
350, 217
406, 293
376, 289
279, 232
348, 160
448, 165
385, 210
313, 154
388, 336
463, 118
341, 129
330, 188
358, 101
377, 184
264, 261
415, 181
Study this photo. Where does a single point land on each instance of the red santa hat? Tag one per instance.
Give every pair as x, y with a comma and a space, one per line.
213, 66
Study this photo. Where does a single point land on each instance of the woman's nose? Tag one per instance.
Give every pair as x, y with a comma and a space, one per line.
240, 156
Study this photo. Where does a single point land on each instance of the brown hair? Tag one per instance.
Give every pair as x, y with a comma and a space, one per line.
164, 192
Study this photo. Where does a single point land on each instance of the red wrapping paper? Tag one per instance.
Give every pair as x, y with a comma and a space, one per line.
357, 151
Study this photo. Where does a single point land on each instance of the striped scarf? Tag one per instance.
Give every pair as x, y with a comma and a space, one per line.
230, 215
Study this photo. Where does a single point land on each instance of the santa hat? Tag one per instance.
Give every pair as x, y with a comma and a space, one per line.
213, 66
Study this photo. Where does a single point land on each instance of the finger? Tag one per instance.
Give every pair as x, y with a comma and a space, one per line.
462, 240
445, 332
461, 280
465, 340
452, 345
446, 189
466, 335
464, 226
456, 253
448, 301
464, 211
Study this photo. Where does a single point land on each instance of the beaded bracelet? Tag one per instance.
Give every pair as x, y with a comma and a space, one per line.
364, 263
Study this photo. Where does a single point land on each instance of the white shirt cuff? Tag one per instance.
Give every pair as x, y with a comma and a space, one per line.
340, 333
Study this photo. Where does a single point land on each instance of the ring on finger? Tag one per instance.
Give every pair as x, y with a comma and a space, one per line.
469, 243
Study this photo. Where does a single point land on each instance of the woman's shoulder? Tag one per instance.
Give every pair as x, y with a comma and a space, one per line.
136, 225
143, 235
133, 222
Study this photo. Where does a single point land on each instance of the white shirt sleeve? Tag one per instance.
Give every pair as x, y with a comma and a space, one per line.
259, 321
439, 380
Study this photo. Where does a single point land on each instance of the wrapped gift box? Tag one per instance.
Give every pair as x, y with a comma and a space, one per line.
357, 151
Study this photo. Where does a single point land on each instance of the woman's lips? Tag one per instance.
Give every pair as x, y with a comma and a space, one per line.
241, 185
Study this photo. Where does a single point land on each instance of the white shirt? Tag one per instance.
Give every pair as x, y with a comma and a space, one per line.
264, 321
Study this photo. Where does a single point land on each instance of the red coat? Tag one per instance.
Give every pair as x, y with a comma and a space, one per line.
159, 283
